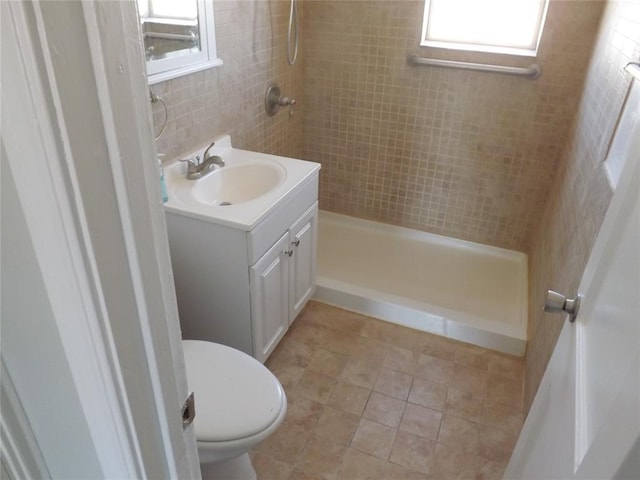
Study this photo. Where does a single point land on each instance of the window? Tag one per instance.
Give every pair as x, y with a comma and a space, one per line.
499, 26
168, 9
179, 37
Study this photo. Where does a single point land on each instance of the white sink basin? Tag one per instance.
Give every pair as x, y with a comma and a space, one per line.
241, 193
234, 184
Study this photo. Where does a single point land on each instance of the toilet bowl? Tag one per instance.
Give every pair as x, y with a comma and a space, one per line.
239, 403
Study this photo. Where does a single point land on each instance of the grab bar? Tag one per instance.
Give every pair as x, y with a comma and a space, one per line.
533, 71
172, 36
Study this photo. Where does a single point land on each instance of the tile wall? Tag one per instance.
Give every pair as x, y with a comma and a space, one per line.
463, 154
251, 40
580, 194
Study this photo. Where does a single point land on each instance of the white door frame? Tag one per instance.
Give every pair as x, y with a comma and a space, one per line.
77, 143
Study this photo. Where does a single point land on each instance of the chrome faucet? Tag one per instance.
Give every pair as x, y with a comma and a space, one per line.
198, 169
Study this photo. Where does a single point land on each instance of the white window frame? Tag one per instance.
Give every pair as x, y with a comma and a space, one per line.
480, 47
160, 70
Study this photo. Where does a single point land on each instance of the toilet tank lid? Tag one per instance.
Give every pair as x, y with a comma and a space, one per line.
235, 395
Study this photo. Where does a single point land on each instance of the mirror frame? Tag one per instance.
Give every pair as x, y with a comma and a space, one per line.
167, 68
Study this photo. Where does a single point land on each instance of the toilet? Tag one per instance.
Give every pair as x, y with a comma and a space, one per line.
238, 402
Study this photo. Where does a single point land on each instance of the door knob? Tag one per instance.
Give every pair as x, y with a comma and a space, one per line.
557, 303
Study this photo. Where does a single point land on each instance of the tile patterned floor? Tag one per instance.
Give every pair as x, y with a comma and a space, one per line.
373, 400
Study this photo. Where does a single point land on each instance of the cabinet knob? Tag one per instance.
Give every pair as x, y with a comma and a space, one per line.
296, 242
289, 252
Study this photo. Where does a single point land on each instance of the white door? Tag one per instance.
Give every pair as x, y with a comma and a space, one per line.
585, 418
93, 376
304, 238
270, 299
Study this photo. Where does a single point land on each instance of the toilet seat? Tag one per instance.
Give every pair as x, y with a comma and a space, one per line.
235, 395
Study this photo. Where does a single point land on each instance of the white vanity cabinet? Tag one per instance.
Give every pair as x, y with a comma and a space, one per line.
243, 287
282, 282
303, 261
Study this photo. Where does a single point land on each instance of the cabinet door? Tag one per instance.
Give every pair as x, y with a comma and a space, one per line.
302, 266
269, 279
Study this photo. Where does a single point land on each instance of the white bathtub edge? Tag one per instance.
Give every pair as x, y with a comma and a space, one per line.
382, 306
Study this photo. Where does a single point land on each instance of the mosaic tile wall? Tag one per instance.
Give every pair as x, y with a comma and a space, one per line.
580, 194
470, 155
464, 154
251, 41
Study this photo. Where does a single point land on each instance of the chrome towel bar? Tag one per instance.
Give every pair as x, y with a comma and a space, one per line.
533, 71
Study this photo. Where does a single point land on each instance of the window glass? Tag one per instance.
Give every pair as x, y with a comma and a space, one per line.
503, 26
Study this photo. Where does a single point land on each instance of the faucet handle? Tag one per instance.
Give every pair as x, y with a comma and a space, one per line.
206, 155
192, 163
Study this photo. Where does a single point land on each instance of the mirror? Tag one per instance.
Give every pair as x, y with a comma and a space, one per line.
169, 28
178, 37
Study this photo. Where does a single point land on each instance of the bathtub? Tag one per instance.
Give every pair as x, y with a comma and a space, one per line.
462, 290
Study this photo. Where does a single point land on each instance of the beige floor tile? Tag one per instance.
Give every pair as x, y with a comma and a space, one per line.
464, 404
394, 384
490, 469
349, 398
389, 333
468, 379
453, 463
400, 360
315, 386
412, 451
291, 352
339, 342
326, 362
360, 371
287, 373
471, 356
384, 409
506, 366
357, 465
336, 425
421, 421
369, 351
300, 475
428, 394
334, 317
458, 432
502, 416
268, 468
496, 444
286, 443
434, 369
373, 438
439, 347
348, 376
309, 334
504, 390
303, 412
322, 457
361, 466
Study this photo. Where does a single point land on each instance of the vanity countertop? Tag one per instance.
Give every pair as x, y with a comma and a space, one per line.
256, 182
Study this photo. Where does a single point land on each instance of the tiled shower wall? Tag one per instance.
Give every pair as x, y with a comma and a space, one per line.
580, 193
251, 40
463, 154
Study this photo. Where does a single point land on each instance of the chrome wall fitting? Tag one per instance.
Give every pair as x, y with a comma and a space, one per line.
273, 100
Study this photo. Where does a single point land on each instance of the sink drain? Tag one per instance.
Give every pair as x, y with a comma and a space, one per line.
224, 204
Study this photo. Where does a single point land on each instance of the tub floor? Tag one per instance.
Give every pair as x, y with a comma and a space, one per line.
459, 289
